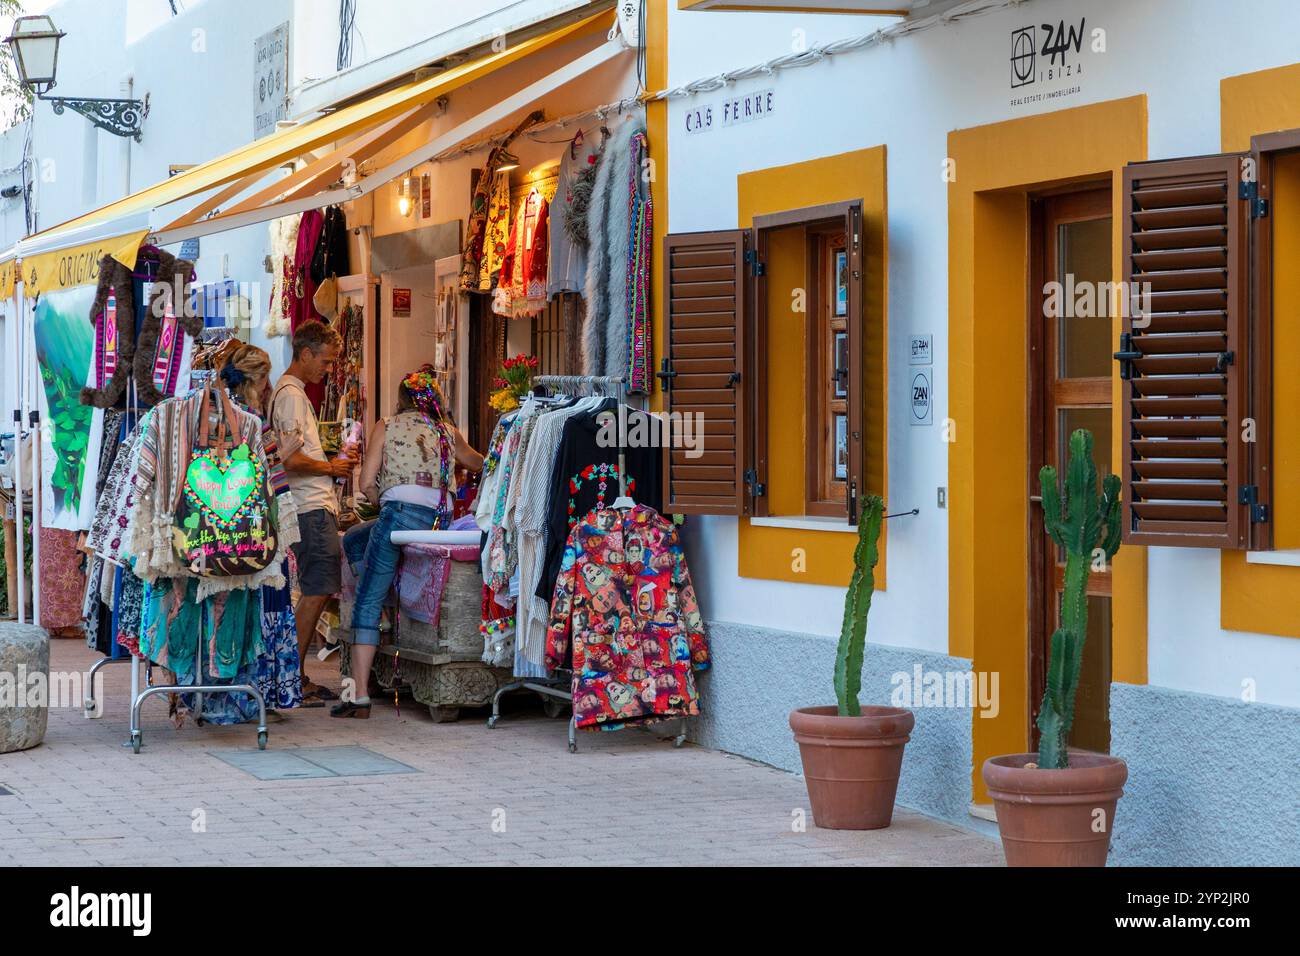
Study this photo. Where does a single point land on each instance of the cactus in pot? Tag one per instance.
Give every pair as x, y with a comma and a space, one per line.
857, 604
1086, 524
852, 754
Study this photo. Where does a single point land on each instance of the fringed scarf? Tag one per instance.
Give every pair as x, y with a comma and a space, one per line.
640, 218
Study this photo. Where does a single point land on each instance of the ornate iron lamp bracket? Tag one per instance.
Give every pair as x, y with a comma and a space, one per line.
119, 117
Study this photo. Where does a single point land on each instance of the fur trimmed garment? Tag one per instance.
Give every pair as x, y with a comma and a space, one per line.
135, 356
615, 336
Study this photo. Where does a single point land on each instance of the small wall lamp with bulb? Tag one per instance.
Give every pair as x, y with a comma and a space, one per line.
408, 189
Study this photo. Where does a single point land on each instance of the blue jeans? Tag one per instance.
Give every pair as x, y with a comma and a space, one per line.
381, 557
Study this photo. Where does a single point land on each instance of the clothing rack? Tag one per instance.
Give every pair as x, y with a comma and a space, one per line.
198, 688
613, 386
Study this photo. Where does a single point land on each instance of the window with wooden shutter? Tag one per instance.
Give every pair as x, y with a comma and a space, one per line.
1184, 357
704, 295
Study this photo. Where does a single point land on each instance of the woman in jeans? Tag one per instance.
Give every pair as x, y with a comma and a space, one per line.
410, 471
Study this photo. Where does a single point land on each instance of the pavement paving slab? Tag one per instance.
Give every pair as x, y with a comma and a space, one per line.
450, 793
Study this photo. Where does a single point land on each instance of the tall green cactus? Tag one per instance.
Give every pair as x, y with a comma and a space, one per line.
1084, 523
857, 603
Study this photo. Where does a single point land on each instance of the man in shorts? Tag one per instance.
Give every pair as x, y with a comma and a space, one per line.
311, 480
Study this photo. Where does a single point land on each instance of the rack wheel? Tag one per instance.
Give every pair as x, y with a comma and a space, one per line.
135, 742
678, 741
554, 707
492, 722
261, 740
573, 748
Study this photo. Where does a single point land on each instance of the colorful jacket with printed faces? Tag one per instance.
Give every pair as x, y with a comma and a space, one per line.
624, 599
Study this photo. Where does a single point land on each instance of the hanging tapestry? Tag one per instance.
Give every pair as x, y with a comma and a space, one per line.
497, 232
65, 349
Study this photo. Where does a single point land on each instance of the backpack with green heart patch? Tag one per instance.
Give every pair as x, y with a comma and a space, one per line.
225, 524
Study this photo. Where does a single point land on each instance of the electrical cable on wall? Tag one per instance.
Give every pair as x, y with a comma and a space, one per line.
347, 26
816, 54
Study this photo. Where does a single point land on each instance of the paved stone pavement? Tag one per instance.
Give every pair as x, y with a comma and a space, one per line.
509, 796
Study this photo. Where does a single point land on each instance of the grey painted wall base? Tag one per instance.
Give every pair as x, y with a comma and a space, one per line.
759, 675
1212, 781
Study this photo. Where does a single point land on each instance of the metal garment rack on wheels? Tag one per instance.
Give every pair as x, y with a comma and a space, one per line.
138, 696
613, 386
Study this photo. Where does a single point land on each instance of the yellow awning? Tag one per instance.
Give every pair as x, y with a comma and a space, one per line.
7, 279
78, 265
287, 144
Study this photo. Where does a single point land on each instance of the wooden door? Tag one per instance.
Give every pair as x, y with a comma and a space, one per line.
1071, 362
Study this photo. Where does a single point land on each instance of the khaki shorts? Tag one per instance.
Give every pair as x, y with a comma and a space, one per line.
318, 553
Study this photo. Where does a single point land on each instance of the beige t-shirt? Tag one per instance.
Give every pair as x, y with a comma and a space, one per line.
294, 421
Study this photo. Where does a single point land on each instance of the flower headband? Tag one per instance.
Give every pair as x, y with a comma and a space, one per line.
422, 386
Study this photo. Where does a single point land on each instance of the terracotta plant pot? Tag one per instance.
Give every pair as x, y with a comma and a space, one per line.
1055, 817
851, 764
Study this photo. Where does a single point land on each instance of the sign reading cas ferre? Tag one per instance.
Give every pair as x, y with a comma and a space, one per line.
735, 109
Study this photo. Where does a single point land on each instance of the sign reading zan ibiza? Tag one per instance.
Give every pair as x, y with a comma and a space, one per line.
733, 110
1047, 60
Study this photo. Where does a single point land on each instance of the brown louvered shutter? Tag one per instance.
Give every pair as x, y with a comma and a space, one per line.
704, 292
1183, 355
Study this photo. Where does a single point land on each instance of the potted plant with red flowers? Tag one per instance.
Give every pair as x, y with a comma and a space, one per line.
852, 755
1057, 808
514, 382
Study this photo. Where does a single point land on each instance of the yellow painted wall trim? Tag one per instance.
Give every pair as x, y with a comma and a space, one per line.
801, 556
1260, 598
997, 167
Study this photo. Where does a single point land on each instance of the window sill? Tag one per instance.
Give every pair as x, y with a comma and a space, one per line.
806, 523
1284, 558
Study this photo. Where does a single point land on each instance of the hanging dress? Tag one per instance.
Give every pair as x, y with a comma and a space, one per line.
521, 289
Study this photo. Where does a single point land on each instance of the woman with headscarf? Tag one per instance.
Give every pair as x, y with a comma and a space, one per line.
409, 472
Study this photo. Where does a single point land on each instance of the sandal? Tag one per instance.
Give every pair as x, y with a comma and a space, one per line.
317, 691
347, 708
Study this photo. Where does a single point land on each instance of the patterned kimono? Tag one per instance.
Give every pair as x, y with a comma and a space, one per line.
624, 599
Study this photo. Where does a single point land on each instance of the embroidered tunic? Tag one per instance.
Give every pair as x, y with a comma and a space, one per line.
521, 289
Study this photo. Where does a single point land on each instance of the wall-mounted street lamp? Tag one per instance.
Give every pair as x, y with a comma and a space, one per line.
34, 44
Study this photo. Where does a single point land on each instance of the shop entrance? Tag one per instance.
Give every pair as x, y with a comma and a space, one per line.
1069, 388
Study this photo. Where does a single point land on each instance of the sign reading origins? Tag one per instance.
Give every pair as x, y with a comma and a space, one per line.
733, 110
